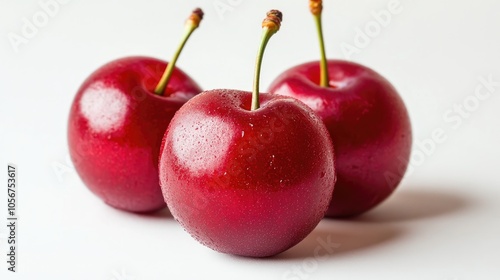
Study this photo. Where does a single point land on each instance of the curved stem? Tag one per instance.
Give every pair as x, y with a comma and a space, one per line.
266, 35
270, 25
191, 25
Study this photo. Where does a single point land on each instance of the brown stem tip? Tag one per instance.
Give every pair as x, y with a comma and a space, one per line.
196, 17
316, 6
273, 20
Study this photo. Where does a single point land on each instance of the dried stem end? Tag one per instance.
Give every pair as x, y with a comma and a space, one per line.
196, 17
273, 21
316, 7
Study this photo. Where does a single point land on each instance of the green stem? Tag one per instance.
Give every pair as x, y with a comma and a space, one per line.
160, 88
266, 35
325, 79
191, 25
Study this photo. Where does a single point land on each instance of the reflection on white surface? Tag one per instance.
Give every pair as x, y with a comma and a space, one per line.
104, 108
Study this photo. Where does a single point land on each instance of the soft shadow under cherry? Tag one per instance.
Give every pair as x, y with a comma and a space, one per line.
335, 238
162, 214
414, 204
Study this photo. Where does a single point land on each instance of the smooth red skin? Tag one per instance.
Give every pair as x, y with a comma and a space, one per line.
369, 126
119, 163
249, 183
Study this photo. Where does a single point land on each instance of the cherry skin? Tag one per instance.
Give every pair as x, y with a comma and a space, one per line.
368, 123
250, 183
115, 129
246, 173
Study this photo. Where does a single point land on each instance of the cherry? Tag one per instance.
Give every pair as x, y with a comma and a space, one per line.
367, 120
117, 122
246, 173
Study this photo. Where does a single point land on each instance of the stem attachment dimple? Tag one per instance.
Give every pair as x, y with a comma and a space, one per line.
270, 26
316, 7
192, 23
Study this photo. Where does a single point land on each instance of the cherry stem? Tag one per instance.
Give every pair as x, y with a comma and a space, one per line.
316, 7
270, 26
192, 24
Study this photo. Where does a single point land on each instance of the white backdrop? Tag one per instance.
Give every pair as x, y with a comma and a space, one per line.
442, 224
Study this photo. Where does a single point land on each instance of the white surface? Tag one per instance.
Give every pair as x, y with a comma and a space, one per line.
443, 223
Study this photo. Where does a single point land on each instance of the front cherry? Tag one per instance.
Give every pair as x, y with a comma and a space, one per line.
117, 121
367, 120
244, 173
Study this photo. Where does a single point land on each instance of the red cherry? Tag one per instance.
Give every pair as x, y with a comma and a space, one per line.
247, 178
367, 120
369, 126
116, 125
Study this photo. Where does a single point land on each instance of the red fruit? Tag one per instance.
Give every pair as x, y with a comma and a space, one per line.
368, 123
244, 179
243, 182
115, 129
117, 122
